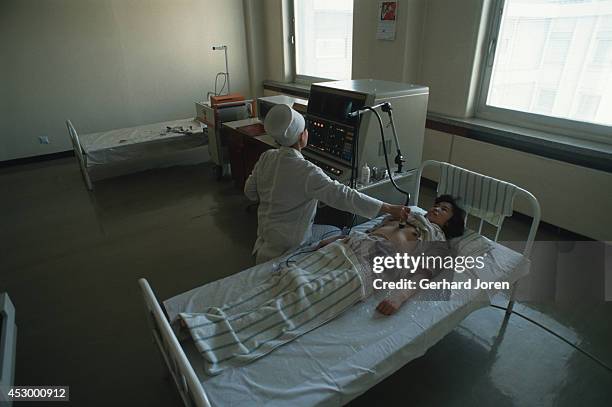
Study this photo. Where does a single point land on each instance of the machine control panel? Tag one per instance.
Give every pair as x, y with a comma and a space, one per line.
331, 129
331, 170
329, 138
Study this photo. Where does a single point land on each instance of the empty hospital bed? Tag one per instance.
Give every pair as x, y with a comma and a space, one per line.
138, 148
343, 358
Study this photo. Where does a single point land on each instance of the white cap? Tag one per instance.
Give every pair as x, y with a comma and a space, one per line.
284, 124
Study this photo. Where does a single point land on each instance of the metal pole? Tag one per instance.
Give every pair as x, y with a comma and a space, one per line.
227, 75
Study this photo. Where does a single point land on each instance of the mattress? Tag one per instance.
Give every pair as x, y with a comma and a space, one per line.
140, 141
342, 359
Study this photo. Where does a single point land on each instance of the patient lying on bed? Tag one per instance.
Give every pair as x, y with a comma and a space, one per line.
316, 288
443, 220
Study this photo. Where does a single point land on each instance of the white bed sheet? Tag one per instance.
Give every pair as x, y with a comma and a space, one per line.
345, 357
135, 142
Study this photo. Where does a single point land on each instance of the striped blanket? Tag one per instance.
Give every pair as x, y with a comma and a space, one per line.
294, 300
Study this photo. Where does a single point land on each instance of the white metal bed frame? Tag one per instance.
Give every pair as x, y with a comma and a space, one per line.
8, 345
79, 153
177, 363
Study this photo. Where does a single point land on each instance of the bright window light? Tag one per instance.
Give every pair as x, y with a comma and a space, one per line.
554, 58
323, 38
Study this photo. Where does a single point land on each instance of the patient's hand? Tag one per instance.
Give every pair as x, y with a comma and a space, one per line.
397, 212
388, 306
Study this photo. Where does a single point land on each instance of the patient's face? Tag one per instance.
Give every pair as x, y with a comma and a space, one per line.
440, 213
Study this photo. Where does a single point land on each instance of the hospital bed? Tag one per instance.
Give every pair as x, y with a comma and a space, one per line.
137, 148
8, 345
343, 358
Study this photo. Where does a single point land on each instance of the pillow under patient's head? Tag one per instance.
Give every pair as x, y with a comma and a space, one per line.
470, 244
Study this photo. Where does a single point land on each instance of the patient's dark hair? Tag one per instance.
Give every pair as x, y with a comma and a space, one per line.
456, 224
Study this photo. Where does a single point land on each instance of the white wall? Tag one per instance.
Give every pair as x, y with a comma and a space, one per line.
109, 64
396, 60
450, 57
275, 46
572, 197
255, 26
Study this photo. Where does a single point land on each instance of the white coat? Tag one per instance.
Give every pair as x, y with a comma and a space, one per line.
288, 188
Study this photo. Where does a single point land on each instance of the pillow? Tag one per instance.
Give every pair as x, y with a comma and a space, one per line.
470, 244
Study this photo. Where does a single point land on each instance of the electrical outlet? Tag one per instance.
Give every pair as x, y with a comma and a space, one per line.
43, 139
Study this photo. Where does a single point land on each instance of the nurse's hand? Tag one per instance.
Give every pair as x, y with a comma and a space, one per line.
400, 212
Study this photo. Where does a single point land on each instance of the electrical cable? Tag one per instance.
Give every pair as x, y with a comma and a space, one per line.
329, 233
550, 331
297, 254
312, 250
224, 82
354, 166
382, 136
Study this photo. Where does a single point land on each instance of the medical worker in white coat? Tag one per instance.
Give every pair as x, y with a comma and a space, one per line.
288, 188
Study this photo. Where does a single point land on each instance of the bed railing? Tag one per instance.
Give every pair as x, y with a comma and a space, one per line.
78, 152
489, 199
8, 345
185, 378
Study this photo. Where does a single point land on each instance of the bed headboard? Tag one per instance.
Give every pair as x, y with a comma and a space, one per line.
489, 199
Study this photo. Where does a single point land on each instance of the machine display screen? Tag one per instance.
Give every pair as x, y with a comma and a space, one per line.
331, 132
334, 105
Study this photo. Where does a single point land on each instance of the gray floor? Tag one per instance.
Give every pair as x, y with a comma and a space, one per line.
70, 261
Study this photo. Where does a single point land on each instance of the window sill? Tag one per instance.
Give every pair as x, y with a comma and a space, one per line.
293, 89
584, 153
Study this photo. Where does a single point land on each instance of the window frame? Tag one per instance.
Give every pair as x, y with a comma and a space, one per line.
567, 127
302, 79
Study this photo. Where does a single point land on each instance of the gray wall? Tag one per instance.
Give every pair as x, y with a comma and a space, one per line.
397, 60
108, 64
451, 46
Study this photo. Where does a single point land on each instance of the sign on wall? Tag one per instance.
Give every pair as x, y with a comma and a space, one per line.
387, 16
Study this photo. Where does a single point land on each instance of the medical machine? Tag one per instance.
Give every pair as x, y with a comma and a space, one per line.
265, 103
343, 139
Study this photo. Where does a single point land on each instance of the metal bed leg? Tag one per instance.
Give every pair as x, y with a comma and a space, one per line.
510, 306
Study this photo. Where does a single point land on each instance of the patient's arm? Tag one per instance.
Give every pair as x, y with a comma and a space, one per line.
393, 302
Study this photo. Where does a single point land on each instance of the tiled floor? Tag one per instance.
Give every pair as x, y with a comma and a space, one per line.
70, 261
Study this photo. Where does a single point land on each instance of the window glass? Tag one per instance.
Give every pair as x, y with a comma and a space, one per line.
323, 38
554, 58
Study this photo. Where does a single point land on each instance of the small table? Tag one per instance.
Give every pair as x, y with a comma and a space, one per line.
246, 140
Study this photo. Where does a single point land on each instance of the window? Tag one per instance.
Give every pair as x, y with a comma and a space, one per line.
549, 65
587, 107
545, 101
603, 51
323, 32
